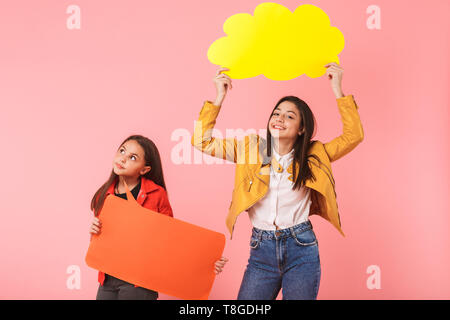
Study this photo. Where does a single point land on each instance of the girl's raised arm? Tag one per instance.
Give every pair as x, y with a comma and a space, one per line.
202, 138
353, 132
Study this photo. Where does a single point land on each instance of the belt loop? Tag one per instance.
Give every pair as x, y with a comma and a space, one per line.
260, 235
291, 229
257, 233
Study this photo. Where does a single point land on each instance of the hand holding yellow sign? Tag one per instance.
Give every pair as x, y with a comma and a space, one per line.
277, 43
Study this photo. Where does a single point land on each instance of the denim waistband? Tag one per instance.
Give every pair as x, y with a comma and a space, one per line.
281, 233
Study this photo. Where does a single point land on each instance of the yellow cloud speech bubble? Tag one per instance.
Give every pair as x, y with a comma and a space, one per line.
277, 43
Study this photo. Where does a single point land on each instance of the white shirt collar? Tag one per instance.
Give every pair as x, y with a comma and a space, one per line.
284, 158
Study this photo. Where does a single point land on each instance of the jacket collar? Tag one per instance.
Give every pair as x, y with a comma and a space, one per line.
263, 168
147, 186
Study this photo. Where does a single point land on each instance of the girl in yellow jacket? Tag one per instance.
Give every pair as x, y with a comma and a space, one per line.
280, 181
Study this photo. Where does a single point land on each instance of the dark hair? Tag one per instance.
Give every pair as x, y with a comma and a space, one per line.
302, 143
152, 158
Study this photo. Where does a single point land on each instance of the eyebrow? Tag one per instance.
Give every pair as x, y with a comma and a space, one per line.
286, 111
133, 154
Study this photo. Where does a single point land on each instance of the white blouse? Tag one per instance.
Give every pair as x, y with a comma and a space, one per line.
281, 207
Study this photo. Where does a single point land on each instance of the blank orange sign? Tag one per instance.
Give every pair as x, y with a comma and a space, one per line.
154, 251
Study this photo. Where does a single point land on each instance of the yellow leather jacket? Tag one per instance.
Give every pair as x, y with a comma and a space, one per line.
253, 165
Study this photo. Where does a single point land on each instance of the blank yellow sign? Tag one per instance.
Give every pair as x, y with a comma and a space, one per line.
277, 43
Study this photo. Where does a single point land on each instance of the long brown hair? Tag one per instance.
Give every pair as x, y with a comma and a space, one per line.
152, 158
302, 143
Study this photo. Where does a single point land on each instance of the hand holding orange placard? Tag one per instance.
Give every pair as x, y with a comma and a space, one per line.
145, 248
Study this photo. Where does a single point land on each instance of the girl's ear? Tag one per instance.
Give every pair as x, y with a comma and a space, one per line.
145, 170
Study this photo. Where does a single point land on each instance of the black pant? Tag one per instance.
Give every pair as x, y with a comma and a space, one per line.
116, 289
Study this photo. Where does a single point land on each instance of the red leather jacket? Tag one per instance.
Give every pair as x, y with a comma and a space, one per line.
151, 196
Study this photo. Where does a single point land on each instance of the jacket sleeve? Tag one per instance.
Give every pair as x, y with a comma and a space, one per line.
164, 205
353, 132
203, 140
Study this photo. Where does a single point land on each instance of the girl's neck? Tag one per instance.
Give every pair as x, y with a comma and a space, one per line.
130, 181
282, 147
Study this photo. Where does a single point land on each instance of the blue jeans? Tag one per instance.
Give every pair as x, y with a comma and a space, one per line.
287, 259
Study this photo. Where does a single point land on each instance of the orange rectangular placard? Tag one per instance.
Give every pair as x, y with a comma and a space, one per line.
154, 251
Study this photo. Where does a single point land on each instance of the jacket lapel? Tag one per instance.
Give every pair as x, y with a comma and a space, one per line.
262, 168
147, 186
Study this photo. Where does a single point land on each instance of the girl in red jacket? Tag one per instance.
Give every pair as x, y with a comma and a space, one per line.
137, 162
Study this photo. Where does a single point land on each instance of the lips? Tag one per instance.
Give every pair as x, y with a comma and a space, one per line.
278, 127
119, 166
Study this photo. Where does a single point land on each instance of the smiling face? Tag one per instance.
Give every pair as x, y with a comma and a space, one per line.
285, 121
129, 160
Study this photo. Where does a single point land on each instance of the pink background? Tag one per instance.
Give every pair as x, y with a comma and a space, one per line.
69, 97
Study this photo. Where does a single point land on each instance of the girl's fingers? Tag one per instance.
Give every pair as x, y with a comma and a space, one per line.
334, 67
222, 261
225, 81
332, 72
331, 64
223, 76
335, 71
219, 264
222, 79
219, 71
